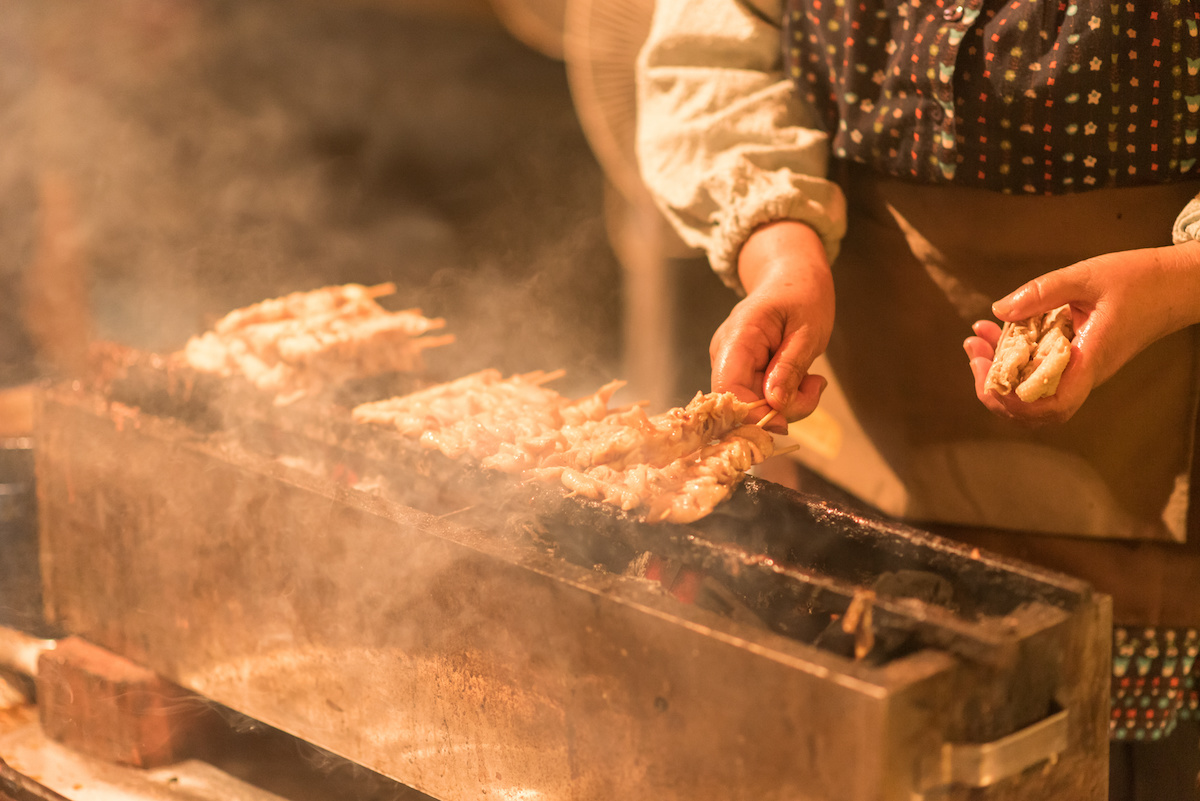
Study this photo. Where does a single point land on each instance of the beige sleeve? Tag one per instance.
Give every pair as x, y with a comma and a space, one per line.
724, 143
1187, 224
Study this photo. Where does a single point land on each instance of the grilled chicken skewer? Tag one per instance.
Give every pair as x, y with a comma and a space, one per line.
300, 343
681, 491
677, 465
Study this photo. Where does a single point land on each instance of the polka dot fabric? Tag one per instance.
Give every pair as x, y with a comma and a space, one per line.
1019, 96
1155, 681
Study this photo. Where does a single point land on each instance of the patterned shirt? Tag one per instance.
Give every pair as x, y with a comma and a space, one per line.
1154, 681
1020, 96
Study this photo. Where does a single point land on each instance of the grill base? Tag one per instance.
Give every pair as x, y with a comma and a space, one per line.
461, 653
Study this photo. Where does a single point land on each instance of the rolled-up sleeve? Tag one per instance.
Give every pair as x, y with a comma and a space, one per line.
1187, 224
724, 143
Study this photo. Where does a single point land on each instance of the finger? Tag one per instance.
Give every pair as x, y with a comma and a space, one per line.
760, 412
1010, 406
1038, 413
788, 368
1072, 391
737, 366
979, 346
804, 402
777, 424
987, 330
979, 358
1046, 292
807, 396
979, 370
1074, 386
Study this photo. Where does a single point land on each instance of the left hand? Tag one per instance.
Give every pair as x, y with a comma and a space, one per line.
1120, 303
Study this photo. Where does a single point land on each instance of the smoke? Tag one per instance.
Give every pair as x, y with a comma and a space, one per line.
218, 153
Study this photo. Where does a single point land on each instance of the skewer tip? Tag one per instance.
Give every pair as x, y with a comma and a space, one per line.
540, 377
381, 290
423, 343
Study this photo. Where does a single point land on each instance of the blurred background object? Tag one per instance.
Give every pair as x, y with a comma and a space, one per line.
537, 23
171, 159
57, 312
168, 160
671, 300
20, 587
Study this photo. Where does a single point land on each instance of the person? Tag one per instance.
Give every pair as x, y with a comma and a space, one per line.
880, 180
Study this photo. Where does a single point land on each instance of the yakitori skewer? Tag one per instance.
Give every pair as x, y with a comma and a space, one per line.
301, 343
676, 465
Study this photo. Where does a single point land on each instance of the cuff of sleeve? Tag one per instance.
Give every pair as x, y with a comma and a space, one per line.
1187, 224
821, 206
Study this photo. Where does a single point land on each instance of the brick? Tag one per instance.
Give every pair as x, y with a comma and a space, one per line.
108, 707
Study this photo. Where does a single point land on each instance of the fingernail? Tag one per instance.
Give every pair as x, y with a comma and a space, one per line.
782, 395
1007, 304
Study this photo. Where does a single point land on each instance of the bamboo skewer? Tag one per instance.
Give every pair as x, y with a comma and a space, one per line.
628, 407
381, 290
422, 343
768, 417
539, 377
787, 450
456, 511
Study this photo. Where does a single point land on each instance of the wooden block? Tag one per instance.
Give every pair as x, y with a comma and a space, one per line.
103, 705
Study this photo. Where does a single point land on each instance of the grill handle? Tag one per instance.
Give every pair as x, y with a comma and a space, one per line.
985, 764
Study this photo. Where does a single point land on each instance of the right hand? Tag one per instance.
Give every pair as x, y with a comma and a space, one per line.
1120, 304
766, 346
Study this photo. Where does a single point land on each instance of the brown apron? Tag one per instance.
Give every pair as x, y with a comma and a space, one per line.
1103, 496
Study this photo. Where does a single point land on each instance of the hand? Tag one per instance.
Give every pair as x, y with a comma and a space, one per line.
1120, 304
767, 344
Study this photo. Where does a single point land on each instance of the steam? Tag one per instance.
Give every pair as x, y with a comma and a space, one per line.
219, 153
223, 152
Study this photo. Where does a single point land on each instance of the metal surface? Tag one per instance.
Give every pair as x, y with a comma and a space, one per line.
472, 659
20, 596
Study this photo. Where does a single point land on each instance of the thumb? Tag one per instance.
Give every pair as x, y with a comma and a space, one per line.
787, 370
1044, 293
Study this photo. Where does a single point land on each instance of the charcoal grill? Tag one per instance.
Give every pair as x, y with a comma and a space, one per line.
475, 638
